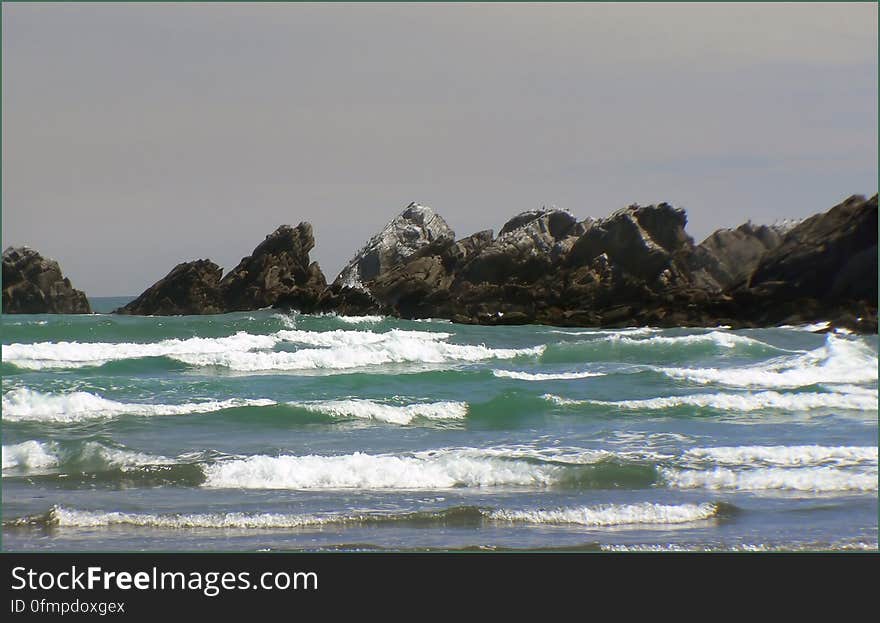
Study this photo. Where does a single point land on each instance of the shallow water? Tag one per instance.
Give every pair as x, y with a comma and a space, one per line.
264, 431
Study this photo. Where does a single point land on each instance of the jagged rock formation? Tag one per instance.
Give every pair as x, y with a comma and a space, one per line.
828, 256
278, 272
638, 266
825, 268
729, 256
415, 234
527, 247
635, 267
544, 266
33, 284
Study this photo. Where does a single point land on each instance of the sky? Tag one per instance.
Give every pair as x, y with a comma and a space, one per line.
137, 136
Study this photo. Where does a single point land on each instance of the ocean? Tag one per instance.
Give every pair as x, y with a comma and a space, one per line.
263, 431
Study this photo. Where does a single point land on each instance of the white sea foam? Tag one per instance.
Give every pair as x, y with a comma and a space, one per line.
360, 319
839, 360
741, 401
289, 321
785, 456
64, 517
391, 413
23, 404
30, 455
805, 479
612, 514
717, 338
365, 471
538, 376
562, 401
556, 454
626, 331
338, 349
108, 456
37, 456
341, 338
42, 355
391, 351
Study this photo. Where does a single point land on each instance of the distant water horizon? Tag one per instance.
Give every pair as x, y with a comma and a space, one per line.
267, 431
106, 304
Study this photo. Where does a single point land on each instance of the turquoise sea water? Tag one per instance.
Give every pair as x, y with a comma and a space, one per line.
265, 431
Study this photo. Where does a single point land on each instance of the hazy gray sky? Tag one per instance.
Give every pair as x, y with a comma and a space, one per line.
137, 136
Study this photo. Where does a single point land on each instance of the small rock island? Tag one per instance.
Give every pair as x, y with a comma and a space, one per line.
33, 284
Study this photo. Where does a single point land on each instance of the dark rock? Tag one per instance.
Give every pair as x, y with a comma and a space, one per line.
729, 256
635, 267
664, 224
825, 268
826, 255
641, 240
405, 288
278, 271
397, 268
414, 229
191, 288
460, 252
33, 284
526, 248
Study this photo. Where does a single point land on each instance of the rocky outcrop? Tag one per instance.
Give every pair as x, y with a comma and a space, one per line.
638, 266
544, 266
729, 256
642, 241
409, 233
191, 288
825, 268
404, 248
618, 270
826, 256
33, 284
527, 246
278, 272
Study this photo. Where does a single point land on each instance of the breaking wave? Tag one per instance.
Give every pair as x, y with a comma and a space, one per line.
744, 402
443, 469
720, 339
338, 349
23, 404
839, 360
63, 517
558, 376
402, 350
807, 479
613, 514
41, 355
785, 456
391, 413
29, 455
342, 338
640, 515
37, 456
